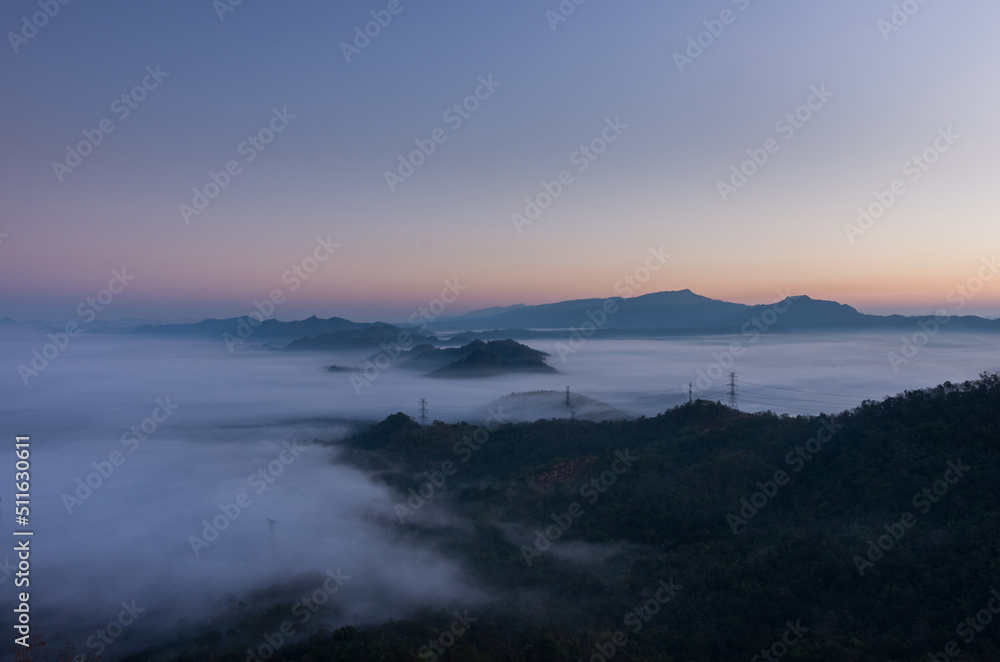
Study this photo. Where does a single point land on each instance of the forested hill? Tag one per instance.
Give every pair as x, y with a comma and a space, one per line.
770, 526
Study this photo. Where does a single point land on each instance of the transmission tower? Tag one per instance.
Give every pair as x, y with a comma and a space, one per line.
733, 395
690, 394
567, 396
423, 411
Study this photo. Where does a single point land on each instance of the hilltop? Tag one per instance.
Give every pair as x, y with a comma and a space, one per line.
755, 521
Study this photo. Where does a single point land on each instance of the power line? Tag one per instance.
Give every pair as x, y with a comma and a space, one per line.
798, 390
799, 399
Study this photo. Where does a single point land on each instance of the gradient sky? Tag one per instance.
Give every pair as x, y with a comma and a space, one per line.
655, 186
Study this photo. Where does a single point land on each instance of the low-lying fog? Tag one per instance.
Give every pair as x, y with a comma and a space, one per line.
232, 416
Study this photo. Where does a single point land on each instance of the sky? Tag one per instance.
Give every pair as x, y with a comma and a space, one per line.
312, 217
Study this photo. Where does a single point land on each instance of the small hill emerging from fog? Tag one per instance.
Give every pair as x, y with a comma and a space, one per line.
478, 359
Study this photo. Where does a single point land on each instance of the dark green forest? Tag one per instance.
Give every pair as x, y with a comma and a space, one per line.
869, 535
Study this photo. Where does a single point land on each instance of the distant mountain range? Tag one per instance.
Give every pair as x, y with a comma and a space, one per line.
269, 329
686, 311
661, 313
663, 310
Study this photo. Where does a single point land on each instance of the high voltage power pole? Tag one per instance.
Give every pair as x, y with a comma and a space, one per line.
423, 411
567, 396
733, 395
690, 394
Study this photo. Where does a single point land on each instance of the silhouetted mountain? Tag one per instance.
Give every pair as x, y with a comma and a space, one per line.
495, 310
807, 547
428, 357
671, 313
269, 329
661, 310
498, 334
475, 359
803, 313
657, 314
487, 359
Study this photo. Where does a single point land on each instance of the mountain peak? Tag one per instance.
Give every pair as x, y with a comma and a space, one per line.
667, 295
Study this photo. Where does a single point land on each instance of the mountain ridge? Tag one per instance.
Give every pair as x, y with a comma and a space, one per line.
658, 313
